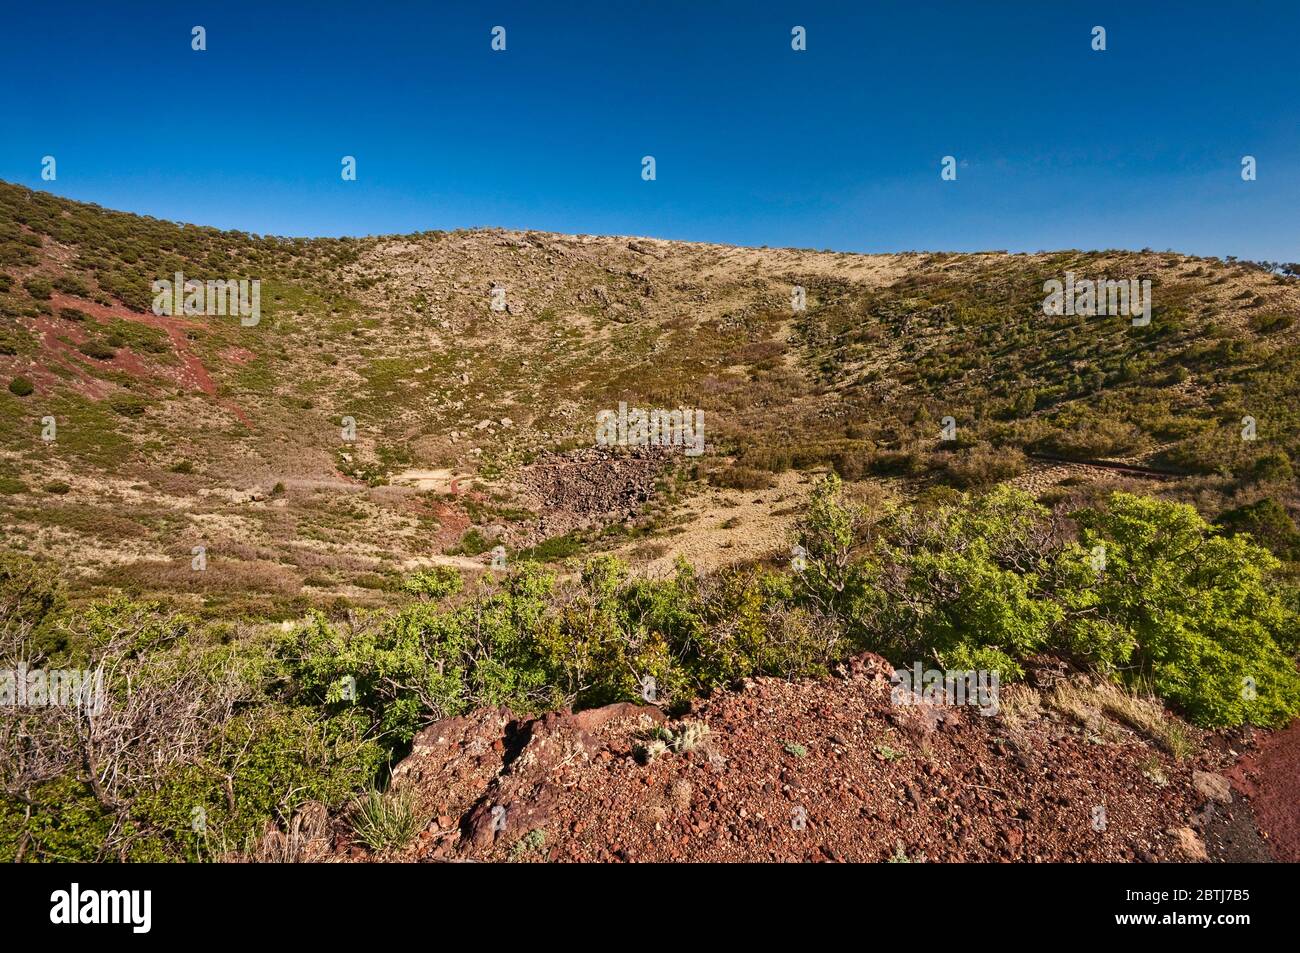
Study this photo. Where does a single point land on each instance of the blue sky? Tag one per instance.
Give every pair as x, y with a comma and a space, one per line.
836, 147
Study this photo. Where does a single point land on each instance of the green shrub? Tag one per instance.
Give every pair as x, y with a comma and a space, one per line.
1268, 522
434, 584
832, 579
991, 582
98, 350
983, 465
71, 284
553, 549
772, 459
472, 543
21, 386
1274, 467
1271, 323
1196, 613
12, 485
425, 662
896, 463
30, 593
39, 288
231, 751
956, 581
128, 405
1083, 436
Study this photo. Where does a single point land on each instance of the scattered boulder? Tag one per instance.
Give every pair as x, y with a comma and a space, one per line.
1214, 787
1189, 844
523, 797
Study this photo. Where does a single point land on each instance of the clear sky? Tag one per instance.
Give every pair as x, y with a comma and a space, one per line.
836, 147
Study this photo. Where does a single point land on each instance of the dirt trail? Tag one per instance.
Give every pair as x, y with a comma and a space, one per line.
1134, 469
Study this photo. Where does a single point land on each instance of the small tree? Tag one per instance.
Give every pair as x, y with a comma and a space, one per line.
829, 533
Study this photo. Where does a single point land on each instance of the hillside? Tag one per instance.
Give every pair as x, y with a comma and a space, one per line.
310, 547
176, 432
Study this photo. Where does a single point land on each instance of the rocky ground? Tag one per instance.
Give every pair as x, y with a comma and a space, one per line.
830, 771
588, 488
1269, 775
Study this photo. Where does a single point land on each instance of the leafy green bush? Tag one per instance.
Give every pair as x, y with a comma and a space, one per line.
425, 662
1274, 467
1195, 612
30, 593
434, 584
191, 728
21, 386
1149, 592
71, 284
958, 583
472, 543
1085, 436
983, 465
553, 548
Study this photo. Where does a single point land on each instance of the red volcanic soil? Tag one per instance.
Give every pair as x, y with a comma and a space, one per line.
191, 374
826, 770
1269, 777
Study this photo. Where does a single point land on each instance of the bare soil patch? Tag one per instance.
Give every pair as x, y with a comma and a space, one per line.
829, 770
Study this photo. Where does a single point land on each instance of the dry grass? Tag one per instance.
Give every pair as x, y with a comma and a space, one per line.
1019, 705
1099, 705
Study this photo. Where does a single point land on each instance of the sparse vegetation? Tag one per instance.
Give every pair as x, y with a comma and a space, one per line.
531, 844
915, 546
387, 821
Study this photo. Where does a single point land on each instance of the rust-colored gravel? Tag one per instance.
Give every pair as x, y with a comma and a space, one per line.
802, 771
1269, 777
